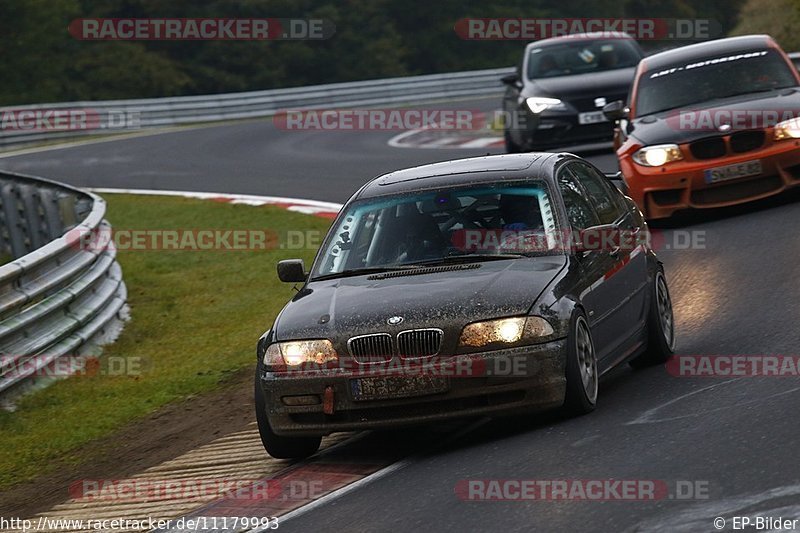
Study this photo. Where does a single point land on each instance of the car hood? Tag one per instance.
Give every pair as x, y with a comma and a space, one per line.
338, 309
699, 121
609, 84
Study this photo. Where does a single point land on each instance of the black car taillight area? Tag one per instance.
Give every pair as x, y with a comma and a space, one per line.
744, 141
708, 148
375, 348
419, 343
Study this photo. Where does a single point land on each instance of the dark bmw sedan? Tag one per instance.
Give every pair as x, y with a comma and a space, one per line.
556, 98
484, 286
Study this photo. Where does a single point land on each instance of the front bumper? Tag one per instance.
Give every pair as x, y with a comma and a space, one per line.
661, 191
523, 379
562, 129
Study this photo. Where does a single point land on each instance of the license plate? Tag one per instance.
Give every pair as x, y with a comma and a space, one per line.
388, 387
732, 172
591, 117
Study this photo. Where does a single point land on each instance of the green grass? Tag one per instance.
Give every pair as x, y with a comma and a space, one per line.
196, 317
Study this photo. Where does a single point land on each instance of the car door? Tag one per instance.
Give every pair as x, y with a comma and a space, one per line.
593, 264
625, 282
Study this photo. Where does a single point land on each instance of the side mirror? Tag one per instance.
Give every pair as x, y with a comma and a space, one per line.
511, 79
292, 271
615, 111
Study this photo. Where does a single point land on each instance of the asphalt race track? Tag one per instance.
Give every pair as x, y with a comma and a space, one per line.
736, 293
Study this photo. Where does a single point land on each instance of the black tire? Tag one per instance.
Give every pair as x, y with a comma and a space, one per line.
660, 326
511, 146
582, 376
278, 446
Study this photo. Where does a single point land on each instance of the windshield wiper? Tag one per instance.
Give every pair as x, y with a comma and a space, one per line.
465, 258
362, 271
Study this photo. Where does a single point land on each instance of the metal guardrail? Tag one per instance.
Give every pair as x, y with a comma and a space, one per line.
57, 298
160, 112
116, 116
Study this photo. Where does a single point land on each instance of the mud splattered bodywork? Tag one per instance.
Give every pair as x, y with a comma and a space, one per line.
373, 342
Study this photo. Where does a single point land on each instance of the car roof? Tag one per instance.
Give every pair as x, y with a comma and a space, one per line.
684, 54
599, 36
458, 172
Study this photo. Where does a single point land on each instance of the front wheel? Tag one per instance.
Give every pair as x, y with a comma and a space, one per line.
582, 376
660, 326
278, 446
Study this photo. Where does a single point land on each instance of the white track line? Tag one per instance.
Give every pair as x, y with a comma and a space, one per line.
375, 476
300, 205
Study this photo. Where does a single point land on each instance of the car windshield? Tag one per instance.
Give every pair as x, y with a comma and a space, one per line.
440, 226
712, 78
581, 57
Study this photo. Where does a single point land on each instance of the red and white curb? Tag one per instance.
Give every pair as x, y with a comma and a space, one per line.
429, 138
297, 205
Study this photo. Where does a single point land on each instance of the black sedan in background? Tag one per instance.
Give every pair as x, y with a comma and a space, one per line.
482, 286
556, 98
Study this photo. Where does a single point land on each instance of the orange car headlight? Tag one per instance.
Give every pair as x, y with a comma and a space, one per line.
788, 129
658, 155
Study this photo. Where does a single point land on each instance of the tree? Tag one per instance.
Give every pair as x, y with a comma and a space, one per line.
778, 18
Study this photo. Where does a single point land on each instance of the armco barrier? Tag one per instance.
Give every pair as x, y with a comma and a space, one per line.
125, 115
115, 116
56, 299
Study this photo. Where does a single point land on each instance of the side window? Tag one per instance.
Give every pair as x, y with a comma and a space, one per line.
579, 211
602, 194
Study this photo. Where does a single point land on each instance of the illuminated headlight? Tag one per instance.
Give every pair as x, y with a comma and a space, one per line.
788, 129
294, 354
538, 104
656, 156
504, 331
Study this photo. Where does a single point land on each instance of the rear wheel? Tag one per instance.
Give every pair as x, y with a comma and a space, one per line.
660, 326
278, 446
582, 376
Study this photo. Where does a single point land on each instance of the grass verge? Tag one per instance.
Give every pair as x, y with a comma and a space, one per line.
196, 316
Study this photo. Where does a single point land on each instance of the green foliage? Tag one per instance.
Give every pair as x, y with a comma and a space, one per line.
373, 39
779, 18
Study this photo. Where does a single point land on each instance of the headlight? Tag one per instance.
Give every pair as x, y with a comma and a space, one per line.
294, 354
788, 129
504, 331
656, 156
538, 104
